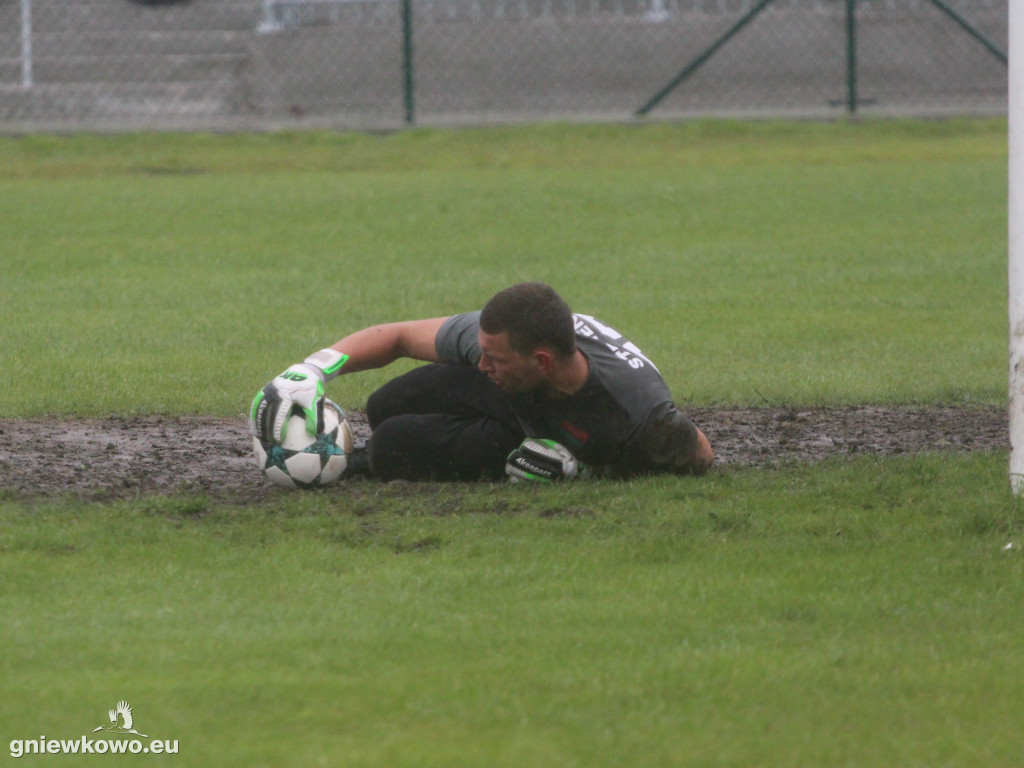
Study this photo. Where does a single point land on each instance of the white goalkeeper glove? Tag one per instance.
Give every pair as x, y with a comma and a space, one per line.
300, 389
541, 460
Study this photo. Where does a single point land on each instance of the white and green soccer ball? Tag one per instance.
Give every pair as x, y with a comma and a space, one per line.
305, 461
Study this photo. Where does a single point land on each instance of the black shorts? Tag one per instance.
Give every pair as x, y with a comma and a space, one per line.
441, 422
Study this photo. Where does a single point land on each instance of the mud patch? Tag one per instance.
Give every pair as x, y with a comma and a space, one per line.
773, 435
124, 457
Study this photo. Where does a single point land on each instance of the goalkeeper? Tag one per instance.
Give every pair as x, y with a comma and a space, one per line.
523, 388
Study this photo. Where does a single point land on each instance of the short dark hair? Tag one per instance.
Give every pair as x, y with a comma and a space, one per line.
533, 315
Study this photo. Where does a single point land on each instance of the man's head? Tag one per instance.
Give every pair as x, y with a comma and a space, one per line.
526, 332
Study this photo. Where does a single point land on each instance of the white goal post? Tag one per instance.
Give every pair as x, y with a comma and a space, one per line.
26, 45
1016, 243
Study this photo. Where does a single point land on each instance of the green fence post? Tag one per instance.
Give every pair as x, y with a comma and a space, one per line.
697, 63
407, 65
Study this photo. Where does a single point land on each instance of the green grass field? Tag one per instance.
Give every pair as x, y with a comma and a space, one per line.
858, 612
787, 263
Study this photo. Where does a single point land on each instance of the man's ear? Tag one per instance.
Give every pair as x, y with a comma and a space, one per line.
544, 359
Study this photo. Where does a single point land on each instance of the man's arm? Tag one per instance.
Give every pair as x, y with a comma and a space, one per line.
669, 441
703, 456
301, 387
380, 345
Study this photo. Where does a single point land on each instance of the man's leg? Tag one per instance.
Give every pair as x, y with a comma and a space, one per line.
439, 447
441, 422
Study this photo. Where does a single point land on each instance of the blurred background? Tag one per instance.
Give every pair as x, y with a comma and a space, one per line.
264, 64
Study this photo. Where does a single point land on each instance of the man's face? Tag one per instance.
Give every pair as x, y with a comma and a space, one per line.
510, 370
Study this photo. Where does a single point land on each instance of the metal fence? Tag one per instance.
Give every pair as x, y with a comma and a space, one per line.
112, 64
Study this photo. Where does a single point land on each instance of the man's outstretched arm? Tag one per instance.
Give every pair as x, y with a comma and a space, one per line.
301, 387
380, 345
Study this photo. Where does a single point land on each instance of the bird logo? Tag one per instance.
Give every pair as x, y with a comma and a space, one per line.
122, 712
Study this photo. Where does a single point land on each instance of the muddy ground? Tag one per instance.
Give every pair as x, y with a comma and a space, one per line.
124, 457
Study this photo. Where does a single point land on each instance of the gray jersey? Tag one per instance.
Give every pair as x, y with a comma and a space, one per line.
622, 420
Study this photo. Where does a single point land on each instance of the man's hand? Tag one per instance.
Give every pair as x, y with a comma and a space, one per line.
299, 389
542, 460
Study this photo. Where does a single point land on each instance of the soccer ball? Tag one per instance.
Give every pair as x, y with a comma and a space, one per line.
304, 461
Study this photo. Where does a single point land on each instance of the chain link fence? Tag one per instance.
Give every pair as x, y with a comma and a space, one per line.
119, 64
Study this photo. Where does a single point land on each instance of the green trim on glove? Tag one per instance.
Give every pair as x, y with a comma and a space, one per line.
328, 361
256, 405
334, 370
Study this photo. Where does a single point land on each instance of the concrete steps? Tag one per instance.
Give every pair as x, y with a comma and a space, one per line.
109, 58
